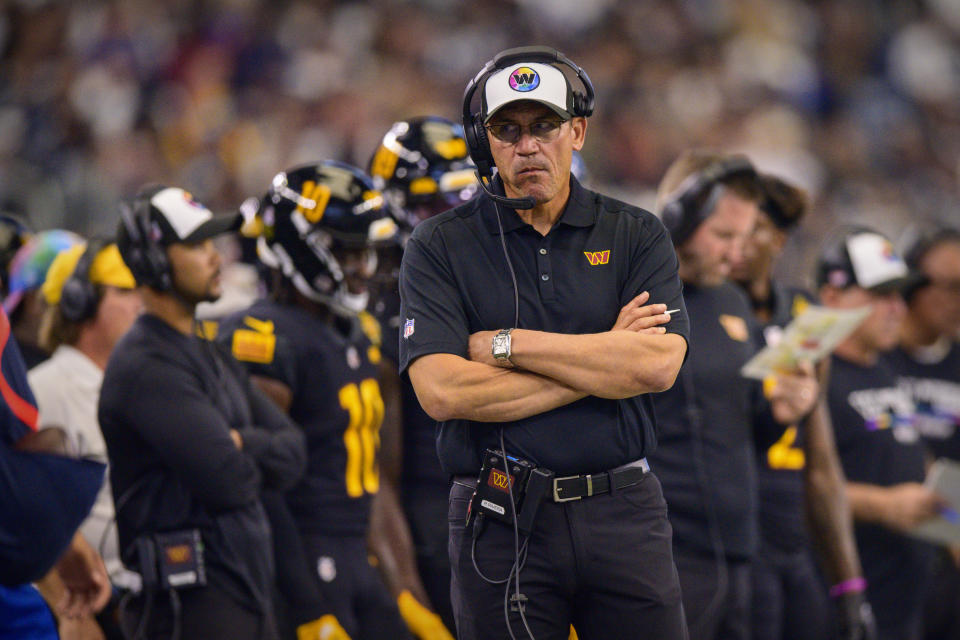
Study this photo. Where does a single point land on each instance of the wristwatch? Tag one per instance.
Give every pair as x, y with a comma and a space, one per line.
501, 348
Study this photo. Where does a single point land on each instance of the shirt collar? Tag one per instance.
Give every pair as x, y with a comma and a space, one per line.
579, 211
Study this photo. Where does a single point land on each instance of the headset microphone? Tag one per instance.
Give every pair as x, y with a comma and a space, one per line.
514, 203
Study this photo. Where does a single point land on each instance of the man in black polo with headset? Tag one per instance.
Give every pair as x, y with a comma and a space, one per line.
712, 419
526, 328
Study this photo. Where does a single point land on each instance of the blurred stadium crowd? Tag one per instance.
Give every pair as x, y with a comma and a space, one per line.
856, 101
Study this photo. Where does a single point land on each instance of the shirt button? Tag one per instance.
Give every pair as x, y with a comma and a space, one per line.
543, 252
544, 276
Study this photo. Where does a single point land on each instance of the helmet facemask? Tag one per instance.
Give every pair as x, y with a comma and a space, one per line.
423, 168
314, 217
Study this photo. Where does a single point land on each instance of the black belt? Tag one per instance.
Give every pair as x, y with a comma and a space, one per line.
570, 488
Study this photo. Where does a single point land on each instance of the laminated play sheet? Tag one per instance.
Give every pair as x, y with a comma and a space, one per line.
943, 479
812, 335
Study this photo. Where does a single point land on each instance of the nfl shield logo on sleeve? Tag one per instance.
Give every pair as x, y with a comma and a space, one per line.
408, 328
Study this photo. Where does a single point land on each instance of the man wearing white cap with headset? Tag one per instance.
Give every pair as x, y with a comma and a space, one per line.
526, 332
191, 443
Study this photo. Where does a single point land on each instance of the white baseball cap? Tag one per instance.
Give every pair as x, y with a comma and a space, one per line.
864, 258
180, 218
534, 81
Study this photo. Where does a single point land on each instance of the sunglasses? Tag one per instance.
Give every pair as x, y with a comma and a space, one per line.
541, 130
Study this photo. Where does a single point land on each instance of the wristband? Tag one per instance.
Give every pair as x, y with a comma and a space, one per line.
852, 585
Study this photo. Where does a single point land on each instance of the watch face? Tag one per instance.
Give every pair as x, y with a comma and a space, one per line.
500, 345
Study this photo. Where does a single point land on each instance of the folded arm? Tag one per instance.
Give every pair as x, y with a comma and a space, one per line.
194, 441
636, 356
614, 364
450, 387
275, 442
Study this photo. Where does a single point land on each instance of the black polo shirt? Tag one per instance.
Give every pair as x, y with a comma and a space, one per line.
707, 460
600, 254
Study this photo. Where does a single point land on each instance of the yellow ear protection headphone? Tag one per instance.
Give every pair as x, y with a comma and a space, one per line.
579, 104
698, 195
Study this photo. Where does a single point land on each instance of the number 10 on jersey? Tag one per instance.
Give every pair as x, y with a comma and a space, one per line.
362, 437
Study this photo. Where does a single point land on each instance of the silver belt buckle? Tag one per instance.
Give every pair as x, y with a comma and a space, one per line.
556, 496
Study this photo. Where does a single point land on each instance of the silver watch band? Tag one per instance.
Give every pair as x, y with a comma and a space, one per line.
501, 347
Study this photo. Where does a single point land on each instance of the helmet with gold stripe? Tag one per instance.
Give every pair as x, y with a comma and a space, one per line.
423, 167
320, 225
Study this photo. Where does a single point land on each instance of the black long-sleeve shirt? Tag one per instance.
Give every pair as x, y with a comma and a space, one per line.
167, 406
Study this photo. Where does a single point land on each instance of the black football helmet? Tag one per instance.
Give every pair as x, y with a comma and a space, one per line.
311, 216
423, 168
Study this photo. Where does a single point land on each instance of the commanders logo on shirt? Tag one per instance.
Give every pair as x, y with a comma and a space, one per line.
597, 257
735, 326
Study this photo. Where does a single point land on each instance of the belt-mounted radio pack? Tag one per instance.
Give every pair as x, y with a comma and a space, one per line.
172, 560
529, 484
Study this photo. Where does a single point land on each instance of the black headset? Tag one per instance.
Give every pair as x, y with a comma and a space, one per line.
579, 105
698, 195
79, 297
144, 256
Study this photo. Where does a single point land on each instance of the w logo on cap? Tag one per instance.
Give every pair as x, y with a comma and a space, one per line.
524, 79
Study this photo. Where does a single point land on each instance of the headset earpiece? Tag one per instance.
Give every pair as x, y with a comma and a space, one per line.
698, 195
483, 157
579, 105
79, 298
583, 102
672, 218
145, 258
